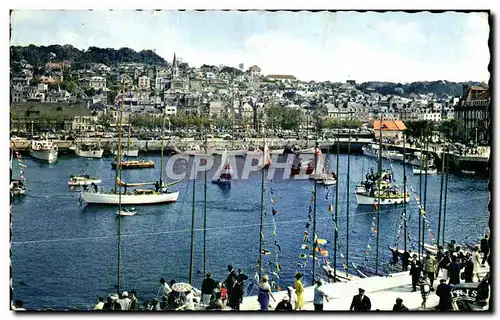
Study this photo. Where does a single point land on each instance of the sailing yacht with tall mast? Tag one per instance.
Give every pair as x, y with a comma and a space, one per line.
128, 152
159, 194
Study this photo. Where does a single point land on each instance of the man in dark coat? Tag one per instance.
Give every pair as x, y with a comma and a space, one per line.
415, 272
469, 268
229, 282
443, 291
241, 279
235, 295
485, 248
454, 270
405, 260
207, 287
439, 256
360, 302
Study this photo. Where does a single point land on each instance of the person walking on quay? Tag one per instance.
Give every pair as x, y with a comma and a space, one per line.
319, 296
134, 302
415, 272
439, 257
207, 287
360, 302
425, 290
236, 296
430, 265
485, 248
443, 291
229, 280
469, 268
476, 260
284, 305
454, 270
124, 301
265, 293
444, 264
299, 290
405, 260
399, 306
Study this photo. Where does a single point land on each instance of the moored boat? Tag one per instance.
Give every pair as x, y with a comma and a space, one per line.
126, 212
429, 171
128, 153
84, 180
137, 197
44, 150
17, 187
135, 164
89, 152
469, 172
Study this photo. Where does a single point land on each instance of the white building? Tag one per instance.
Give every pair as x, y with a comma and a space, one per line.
144, 83
170, 110
97, 83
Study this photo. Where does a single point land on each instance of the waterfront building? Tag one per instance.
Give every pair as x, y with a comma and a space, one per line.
474, 114
391, 128
144, 83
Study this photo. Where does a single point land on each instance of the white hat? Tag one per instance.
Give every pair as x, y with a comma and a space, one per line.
286, 298
124, 294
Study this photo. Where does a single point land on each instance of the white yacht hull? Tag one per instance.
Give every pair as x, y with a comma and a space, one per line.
127, 153
90, 153
329, 182
231, 153
45, 155
422, 172
277, 151
367, 200
127, 199
86, 182
416, 162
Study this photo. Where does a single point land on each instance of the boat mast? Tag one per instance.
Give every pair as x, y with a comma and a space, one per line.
425, 186
336, 214
191, 261
379, 193
128, 137
445, 193
315, 242
348, 192
405, 231
205, 210
119, 173
420, 196
161, 149
261, 208
441, 197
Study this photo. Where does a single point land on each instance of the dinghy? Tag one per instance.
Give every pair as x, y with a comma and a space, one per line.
126, 212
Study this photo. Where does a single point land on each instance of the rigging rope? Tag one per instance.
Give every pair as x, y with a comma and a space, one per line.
216, 228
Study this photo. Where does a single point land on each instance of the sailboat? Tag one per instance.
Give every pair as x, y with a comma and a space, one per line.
159, 194
226, 176
17, 186
87, 151
129, 152
132, 164
379, 189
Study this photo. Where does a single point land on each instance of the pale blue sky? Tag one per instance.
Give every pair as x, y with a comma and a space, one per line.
312, 46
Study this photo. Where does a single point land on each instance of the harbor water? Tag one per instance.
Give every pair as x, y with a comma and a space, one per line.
64, 253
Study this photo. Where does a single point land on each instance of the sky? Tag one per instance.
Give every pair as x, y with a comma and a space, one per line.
320, 46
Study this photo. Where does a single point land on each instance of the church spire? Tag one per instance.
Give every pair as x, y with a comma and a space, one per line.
175, 68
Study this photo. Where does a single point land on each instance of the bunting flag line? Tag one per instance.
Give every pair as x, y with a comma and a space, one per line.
276, 273
423, 213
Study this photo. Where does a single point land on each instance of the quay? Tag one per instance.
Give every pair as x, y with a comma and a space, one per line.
475, 162
382, 291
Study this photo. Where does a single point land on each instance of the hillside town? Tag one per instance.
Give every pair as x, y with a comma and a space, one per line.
240, 95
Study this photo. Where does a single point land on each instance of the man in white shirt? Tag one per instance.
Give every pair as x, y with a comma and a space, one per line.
125, 301
99, 304
319, 295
